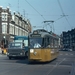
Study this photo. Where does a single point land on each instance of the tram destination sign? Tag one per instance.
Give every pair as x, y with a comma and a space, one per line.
35, 35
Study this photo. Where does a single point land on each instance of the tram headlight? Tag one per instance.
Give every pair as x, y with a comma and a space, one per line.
31, 50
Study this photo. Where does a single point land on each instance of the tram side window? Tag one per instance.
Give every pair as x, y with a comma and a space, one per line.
43, 43
55, 43
46, 42
51, 42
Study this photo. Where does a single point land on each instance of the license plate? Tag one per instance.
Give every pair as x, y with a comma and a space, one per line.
13, 55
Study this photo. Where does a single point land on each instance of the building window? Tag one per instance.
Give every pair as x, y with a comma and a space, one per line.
16, 30
4, 28
16, 20
4, 16
11, 29
19, 31
20, 22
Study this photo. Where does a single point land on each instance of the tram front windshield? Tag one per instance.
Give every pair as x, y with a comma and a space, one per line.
35, 42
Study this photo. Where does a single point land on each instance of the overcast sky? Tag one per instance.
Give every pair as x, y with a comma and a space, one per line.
62, 12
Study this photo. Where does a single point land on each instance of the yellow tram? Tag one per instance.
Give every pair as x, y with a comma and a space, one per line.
43, 46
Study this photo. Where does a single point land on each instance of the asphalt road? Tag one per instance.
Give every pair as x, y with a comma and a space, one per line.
63, 65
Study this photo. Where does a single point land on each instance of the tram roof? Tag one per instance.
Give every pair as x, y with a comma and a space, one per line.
44, 33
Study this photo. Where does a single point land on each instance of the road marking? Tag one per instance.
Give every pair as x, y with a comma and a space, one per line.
57, 64
60, 62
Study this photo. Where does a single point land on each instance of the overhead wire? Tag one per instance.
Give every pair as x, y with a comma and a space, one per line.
63, 14
36, 10
58, 18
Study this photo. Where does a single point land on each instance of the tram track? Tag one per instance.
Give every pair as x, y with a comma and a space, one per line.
55, 66
50, 67
59, 66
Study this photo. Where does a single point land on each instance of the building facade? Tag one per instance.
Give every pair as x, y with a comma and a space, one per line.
11, 25
69, 39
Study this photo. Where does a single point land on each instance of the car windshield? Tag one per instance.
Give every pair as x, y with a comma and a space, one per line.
15, 45
35, 42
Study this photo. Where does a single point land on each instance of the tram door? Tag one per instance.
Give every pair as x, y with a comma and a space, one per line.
47, 49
